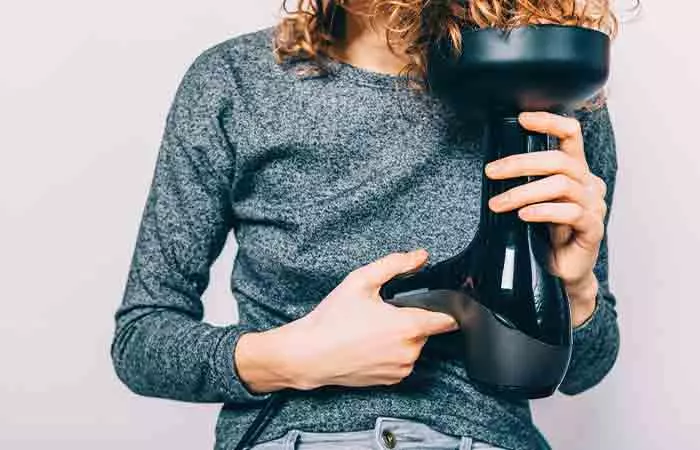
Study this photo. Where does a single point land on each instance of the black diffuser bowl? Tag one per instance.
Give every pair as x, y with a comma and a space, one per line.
513, 313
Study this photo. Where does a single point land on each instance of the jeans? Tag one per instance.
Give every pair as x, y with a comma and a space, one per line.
388, 433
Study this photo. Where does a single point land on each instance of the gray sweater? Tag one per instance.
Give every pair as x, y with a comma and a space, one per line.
316, 176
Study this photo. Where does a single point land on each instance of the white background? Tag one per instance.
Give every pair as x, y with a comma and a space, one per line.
84, 89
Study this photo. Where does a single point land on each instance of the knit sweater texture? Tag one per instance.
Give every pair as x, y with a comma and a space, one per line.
317, 176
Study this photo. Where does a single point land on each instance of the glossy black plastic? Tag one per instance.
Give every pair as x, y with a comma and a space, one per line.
514, 314
542, 67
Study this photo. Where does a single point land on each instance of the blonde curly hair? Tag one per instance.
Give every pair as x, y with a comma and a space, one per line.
311, 30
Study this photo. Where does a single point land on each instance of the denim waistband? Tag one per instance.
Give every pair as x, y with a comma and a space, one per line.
388, 433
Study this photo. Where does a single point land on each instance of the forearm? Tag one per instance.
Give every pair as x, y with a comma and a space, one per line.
163, 353
596, 344
596, 335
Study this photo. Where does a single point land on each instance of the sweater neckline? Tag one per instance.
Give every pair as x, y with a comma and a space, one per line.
342, 70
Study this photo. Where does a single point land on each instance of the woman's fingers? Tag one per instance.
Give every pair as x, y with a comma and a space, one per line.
567, 129
546, 162
546, 189
566, 213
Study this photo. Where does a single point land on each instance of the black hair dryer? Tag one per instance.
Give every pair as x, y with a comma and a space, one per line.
513, 313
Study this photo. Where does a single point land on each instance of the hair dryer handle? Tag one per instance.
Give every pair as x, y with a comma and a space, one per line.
439, 300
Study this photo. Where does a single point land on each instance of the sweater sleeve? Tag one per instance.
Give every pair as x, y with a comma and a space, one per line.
596, 342
161, 347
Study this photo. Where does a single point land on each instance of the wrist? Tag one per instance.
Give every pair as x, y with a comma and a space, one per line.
582, 296
263, 361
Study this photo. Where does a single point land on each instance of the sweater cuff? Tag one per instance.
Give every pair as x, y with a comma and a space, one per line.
595, 346
232, 385
588, 328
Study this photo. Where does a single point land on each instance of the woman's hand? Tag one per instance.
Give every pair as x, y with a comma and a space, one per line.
352, 338
570, 198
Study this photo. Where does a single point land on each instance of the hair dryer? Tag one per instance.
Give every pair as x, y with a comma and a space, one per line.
513, 313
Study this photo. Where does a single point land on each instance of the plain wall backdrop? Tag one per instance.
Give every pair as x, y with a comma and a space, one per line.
84, 90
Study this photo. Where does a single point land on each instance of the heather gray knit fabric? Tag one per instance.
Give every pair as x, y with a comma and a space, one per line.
316, 176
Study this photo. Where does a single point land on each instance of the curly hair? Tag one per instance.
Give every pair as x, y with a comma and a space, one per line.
310, 31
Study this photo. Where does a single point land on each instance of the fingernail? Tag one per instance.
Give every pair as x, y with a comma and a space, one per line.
493, 168
500, 200
529, 211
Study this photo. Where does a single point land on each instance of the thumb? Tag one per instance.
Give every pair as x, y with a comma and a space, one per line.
430, 322
378, 272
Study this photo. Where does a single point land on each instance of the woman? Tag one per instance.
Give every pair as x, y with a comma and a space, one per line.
329, 167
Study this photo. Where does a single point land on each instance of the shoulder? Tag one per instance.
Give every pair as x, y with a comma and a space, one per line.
219, 76
241, 59
253, 49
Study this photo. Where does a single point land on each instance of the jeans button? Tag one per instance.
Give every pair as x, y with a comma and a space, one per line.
389, 439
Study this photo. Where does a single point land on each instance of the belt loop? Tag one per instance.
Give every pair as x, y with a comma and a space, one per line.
378, 432
290, 443
466, 443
